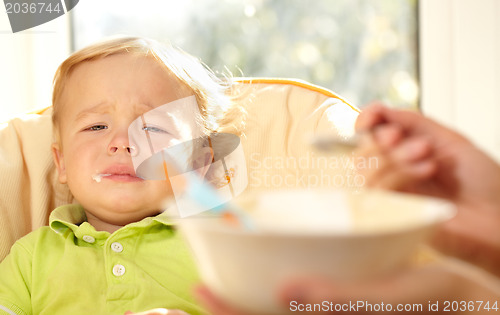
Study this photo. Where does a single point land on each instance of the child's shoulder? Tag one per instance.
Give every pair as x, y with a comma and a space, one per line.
43, 236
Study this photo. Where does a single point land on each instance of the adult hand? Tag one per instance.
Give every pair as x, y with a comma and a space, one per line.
418, 155
423, 289
214, 304
426, 289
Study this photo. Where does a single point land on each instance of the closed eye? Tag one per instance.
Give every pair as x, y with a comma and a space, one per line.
153, 129
96, 128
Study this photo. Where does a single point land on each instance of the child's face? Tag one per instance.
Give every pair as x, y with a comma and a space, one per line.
100, 101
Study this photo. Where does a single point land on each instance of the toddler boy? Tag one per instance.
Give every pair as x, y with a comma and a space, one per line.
114, 250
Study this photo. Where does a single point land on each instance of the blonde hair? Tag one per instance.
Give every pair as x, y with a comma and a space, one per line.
212, 93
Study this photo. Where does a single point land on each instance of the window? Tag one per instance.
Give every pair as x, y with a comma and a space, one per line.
362, 49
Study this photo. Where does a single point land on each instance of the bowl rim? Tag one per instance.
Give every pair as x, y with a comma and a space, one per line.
447, 211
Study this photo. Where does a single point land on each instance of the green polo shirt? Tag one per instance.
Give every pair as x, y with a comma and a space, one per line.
70, 268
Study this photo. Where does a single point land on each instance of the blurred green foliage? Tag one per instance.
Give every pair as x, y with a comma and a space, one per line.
362, 49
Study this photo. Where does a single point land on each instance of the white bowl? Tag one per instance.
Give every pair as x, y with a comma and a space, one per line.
331, 234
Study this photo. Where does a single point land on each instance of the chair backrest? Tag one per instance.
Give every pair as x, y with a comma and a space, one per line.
282, 116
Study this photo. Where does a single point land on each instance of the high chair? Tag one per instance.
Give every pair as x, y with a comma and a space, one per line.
282, 116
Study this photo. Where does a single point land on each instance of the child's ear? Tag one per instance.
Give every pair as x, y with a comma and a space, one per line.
203, 160
58, 157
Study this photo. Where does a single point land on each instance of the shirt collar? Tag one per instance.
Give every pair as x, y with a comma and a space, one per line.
72, 217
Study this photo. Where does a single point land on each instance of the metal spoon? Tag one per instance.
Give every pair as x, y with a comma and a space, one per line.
332, 142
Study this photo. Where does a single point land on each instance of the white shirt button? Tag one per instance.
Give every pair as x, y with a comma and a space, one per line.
88, 239
118, 270
117, 247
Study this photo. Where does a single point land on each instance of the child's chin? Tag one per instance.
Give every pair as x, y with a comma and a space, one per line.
142, 205
124, 218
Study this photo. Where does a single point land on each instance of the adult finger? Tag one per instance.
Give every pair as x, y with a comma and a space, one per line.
213, 303
410, 121
401, 176
387, 136
371, 116
411, 150
414, 287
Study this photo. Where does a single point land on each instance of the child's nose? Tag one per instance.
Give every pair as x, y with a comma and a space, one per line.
120, 144
129, 149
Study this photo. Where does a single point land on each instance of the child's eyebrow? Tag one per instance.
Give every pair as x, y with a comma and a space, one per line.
103, 108
100, 108
174, 120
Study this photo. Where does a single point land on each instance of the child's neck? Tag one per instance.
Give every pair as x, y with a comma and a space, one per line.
100, 225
